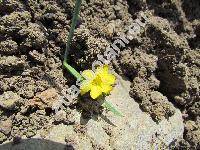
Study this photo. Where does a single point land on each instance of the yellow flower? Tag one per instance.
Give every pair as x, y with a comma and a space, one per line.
97, 83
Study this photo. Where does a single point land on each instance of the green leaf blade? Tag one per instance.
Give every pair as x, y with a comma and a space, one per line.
111, 108
73, 71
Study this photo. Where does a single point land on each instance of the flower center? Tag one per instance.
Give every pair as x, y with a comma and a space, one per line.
97, 80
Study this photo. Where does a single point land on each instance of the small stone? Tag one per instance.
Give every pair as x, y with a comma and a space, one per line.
30, 134
117, 8
64, 117
40, 58
5, 126
2, 137
110, 29
9, 100
45, 99
60, 116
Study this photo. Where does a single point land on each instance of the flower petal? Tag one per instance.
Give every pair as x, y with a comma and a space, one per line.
97, 83
108, 78
95, 92
85, 87
88, 74
102, 70
106, 88
105, 68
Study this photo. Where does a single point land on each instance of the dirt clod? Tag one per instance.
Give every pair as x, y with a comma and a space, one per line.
45, 99
162, 61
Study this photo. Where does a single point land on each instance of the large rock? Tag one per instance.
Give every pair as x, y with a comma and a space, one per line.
136, 130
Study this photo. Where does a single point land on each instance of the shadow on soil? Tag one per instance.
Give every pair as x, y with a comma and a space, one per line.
35, 144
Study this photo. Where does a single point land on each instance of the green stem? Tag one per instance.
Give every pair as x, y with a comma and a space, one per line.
73, 71
108, 105
71, 33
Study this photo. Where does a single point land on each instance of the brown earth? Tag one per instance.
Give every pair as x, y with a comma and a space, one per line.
162, 61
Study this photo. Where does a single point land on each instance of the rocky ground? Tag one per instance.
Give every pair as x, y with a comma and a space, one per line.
162, 63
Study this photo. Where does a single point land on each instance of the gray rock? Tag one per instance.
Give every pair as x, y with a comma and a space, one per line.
136, 130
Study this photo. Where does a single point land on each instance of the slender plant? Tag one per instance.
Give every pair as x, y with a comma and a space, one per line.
75, 73
71, 33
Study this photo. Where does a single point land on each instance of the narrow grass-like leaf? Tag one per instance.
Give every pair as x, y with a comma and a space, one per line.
73, 71
71, 33
108, 105
73, 25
